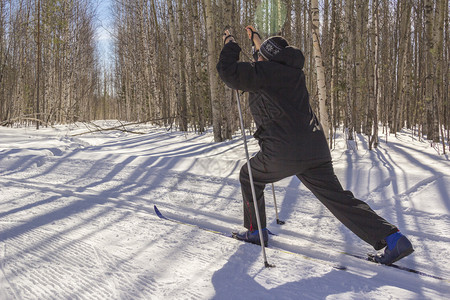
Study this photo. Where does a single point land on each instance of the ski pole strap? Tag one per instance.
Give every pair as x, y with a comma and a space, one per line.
254, 51
253, 35
227, 37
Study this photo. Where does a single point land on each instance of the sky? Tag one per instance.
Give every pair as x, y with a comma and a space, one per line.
104, 29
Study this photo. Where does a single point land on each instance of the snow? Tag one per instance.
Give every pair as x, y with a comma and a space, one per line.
77, 219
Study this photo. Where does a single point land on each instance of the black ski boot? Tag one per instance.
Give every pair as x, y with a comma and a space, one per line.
252, 236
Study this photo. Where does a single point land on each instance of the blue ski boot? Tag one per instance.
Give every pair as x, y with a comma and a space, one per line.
252, 236
398, 246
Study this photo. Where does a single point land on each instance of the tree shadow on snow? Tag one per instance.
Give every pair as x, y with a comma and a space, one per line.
235, 280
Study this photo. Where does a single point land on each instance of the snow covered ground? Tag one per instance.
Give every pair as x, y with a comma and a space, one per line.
77, 219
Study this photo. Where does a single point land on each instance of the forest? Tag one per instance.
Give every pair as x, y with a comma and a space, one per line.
370, 64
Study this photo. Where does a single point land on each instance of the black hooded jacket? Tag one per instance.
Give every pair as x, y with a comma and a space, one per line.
287, 128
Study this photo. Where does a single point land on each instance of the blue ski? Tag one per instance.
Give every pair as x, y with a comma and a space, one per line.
230, 235
368, 258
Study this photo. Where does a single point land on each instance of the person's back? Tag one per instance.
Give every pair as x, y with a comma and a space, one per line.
279, 102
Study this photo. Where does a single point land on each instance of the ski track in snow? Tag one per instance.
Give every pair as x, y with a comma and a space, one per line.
77, 220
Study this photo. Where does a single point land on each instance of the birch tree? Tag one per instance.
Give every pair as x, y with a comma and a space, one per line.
374, 108
321, 82
430, 101
211, 34
402, 66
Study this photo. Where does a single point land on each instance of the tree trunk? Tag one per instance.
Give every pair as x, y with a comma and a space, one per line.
334, 69
439, 62
321, 82
38, 67
405, 11
373, 141
213, 80
351, 76
182, 69
429, 80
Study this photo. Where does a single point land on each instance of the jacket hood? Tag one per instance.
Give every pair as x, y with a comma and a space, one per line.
290, 56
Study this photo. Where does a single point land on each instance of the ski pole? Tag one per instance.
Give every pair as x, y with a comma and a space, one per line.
279, 222
258, 220
247, 156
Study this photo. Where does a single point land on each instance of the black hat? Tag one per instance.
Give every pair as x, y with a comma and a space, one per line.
270, 47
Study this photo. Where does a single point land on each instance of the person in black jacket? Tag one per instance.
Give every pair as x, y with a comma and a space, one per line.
292, 142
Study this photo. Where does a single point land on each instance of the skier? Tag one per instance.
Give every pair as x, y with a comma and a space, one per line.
292, 142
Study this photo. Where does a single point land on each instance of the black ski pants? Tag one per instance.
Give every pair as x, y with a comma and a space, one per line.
318, 176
